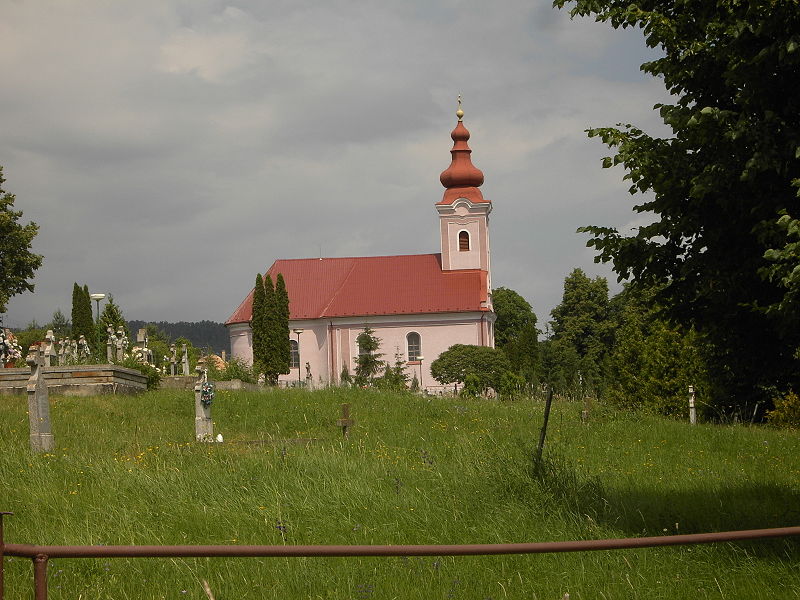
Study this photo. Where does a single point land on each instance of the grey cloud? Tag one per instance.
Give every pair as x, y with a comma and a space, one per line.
169, 151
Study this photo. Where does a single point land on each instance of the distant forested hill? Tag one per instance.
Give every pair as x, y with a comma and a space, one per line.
203, 334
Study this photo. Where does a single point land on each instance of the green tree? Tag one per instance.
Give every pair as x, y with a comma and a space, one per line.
395, 377
82, 320
344, 376
111, 317
515, 332
486, 365
282, 324
88, 318
59, 324
560, 366
17, 262
258, 323
722, 189
652, 362
369, 362
582, 322
273, 365
32, 334
158, 342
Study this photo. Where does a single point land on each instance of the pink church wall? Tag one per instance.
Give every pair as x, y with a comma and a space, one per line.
328, 345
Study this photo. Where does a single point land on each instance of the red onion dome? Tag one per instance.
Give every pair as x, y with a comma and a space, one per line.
461, 172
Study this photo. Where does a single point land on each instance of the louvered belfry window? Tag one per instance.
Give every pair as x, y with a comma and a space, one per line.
463, 241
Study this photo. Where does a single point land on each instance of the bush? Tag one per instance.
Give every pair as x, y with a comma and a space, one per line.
235, 368
511, 385
153, 375
786, 412
460, 361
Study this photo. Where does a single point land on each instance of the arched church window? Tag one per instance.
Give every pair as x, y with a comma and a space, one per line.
414, 343
294, 355
463, 241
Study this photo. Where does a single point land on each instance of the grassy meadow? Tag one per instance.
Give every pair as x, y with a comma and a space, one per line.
414, 471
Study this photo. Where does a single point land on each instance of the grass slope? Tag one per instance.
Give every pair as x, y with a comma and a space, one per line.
414, 471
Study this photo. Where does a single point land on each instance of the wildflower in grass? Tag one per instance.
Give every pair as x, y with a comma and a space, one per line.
427, 459
364, 591
281, 527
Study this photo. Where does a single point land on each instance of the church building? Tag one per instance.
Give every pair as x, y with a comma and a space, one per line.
418, 305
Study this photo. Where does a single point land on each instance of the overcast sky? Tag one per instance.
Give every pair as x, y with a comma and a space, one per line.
170, 150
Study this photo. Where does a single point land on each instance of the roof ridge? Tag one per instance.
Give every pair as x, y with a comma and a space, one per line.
356, 257
333, 296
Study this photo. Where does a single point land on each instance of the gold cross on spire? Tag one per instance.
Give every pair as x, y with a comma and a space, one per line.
459, 112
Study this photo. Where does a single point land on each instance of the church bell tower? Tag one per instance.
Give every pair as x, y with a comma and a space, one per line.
463, 211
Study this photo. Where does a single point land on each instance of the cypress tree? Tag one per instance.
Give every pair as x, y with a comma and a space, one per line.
76, 309
88, 319
272, 364
282, 324
82, 321
258, 325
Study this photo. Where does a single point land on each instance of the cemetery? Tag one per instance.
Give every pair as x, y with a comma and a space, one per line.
65, 366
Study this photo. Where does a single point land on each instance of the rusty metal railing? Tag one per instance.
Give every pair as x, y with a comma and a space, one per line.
41, 554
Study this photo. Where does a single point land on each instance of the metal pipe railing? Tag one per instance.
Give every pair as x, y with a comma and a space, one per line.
41, 554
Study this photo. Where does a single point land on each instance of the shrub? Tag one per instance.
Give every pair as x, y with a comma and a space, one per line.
511, 385
786, 412
153, 375
236, 368
460, 361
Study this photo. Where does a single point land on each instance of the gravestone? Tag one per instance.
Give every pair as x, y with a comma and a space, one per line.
41, 436
121, 344
83, 351
172, 359
203, 396
141, 343
49, 348
309, 377
110, 344
185, 361
62, 351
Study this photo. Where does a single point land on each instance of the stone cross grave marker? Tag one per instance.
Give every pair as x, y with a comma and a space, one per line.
172, 359
62, 351
38, 404
345, 422
49, 349
203, 396
141, 342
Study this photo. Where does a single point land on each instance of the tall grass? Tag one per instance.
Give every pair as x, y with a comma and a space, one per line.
414, 471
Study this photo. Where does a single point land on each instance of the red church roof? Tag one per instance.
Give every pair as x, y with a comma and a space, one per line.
373, 285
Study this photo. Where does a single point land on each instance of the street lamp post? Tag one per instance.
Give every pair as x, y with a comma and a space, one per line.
297, 332
97, 298
421, 386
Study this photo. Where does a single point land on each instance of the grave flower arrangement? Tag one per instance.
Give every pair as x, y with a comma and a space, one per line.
10, 350
207, 393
